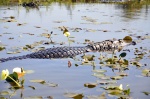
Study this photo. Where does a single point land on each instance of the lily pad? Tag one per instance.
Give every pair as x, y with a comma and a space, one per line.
99, 71
38, 81
114, 92
146, 72
74, 95
122, 74
88, 57
110, 87
102, 96
3, 93
127, 39
123, 54
32, 87
90, 85
146, 93
98, 75
116, 77
34, 97
52, 84
29, 71
2, 48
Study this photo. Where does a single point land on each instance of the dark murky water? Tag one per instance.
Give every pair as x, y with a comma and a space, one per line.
98, 22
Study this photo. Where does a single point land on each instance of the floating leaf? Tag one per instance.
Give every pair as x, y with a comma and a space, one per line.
110, 60
123, 54
105, 78
88, 57
146, 93
52, 84
13, 52
49, 97
37, 26
38, 81
29, 71
90, 85
87, 40
103, 82
98, 75
32, 87
76, 65
34, 97
12, 17
114, 92
137, 63
127, 92
11, 20
3, 93
127, 39
122, 74
102, 96
74, 95
99, 71
116, 77
110, 87
19, 24
2, 48
47, 35
30, 46
146, 72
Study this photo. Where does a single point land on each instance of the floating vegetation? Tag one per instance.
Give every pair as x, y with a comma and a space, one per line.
109, 69
90, 85
44, 82
74, 95
2, 48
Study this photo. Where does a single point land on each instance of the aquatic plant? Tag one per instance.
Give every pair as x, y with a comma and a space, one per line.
14, 77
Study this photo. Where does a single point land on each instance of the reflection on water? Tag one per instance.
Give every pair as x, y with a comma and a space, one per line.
85, 21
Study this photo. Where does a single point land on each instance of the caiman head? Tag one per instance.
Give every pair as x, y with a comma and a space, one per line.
122, 43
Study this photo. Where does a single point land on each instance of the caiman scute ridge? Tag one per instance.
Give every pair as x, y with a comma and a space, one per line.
64, 52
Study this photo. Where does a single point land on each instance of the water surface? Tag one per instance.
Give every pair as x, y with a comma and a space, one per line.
97, 22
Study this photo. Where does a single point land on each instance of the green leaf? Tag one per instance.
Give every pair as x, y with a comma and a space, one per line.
34, 97
90, 85
52, 84
3, 93
98, 75
102, 96
2, 48
114, 92
76, 65
122, 54
127, 92
38, 81
99, 71
88, 57
22, 82
146, 93
29, 71
116, 77
110, 87
32, 87
127, 39
74, 95
14, 76
146, 72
